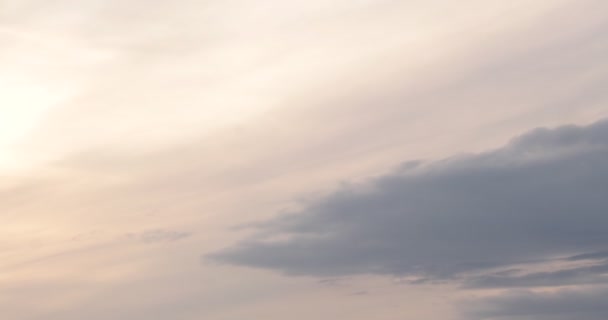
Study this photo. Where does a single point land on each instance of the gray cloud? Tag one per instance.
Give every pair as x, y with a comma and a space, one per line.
572, 276
539, 197
589, 256
588, 304
594, 272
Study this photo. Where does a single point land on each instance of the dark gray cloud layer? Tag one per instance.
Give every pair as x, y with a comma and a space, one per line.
540, 197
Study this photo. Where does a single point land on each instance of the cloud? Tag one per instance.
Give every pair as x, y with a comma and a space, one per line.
572, 276
539, 197
568, 304
589, 256
159, 236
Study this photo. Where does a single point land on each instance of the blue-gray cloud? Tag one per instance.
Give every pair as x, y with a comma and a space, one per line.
540, 197
571, 276
589, 256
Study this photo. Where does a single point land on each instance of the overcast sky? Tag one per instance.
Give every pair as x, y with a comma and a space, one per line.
291, 159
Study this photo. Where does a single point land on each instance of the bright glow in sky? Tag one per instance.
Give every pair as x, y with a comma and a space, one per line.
22, 106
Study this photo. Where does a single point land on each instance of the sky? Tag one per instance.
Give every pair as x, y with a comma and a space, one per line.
318, 159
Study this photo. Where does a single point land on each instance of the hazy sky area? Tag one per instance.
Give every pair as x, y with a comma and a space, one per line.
304, 159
